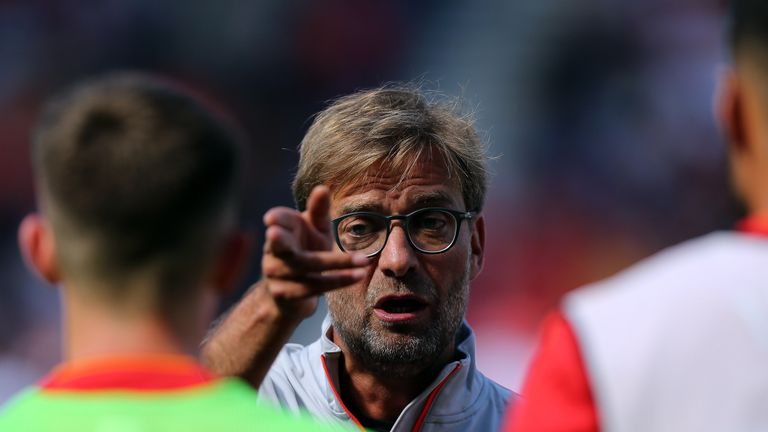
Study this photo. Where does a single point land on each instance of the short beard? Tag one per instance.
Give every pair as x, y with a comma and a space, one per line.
415, 352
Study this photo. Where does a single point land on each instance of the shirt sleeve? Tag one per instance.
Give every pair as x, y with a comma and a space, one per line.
556, 395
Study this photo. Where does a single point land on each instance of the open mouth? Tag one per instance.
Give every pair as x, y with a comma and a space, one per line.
400, 308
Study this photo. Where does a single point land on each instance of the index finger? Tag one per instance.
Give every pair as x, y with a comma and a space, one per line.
319, 207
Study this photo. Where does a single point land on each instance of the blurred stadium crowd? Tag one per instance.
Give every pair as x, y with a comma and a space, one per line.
598, 111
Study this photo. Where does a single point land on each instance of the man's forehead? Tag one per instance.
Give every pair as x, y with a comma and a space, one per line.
424, 184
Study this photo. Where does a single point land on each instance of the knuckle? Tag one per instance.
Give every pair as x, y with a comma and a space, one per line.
273, 268
270, 267
287, 291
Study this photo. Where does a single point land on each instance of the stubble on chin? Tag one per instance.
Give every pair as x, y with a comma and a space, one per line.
399, 351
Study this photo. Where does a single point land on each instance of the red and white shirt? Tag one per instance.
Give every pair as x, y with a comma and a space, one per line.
678, 342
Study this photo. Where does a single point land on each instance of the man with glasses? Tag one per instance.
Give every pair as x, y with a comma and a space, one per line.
398, 181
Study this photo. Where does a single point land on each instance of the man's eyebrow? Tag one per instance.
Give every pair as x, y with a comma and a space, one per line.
431, 199
360, 206
416, 201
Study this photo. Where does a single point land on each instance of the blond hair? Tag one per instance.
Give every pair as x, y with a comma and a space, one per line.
393, 126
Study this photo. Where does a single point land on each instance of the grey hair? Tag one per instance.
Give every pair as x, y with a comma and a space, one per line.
392, 125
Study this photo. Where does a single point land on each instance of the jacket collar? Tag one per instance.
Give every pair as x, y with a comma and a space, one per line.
456, 388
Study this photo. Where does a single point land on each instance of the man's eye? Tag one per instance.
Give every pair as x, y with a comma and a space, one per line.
431, 222
359, 229
360, 226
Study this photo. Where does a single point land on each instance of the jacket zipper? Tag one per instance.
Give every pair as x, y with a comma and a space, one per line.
424, 411
431, 398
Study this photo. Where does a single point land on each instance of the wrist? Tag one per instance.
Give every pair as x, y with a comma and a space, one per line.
266, 308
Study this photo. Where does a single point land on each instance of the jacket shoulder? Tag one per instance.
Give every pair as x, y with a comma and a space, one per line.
296, 381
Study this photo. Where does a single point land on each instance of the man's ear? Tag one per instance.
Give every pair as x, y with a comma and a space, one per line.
232, 261
38, 247
478, 246
729, 110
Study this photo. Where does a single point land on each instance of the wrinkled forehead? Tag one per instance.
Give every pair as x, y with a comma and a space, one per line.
425, 182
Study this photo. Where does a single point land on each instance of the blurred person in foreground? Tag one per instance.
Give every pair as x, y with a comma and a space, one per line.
138, 194
404, 179
679, 342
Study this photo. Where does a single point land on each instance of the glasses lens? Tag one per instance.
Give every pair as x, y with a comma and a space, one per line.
432, 230
362, 233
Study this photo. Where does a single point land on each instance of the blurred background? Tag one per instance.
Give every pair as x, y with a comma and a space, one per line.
599, 113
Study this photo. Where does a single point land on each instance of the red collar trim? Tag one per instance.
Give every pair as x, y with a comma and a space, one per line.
422, 416
338, 397
135, 373
756, 225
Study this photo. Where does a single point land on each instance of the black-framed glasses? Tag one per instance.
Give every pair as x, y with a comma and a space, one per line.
428, 230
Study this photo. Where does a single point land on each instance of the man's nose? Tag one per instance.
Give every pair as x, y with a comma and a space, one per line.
398, 256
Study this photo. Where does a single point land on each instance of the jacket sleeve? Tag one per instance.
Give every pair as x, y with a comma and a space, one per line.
556, 394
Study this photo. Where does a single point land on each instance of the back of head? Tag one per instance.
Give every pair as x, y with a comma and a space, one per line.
747, 24
136, 178
742, 102
392, 125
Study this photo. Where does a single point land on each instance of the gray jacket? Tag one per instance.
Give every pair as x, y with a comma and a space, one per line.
460, 399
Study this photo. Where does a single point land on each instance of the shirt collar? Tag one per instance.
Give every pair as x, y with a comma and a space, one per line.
155, 372
756, 224
462, 388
